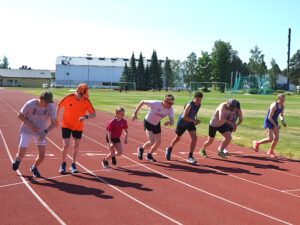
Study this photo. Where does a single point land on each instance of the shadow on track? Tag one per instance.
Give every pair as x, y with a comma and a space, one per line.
68, 188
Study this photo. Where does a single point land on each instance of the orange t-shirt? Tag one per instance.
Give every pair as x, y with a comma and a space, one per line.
73, 110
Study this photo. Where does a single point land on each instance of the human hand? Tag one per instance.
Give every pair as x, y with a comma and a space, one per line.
126, 140
196, 122
133, 116
283, 123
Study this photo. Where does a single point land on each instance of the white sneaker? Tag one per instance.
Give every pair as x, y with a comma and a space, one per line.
191, 160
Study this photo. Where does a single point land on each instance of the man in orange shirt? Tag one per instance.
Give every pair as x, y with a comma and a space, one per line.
75, 107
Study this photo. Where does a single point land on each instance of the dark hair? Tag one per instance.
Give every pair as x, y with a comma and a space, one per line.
198, 94
169, 97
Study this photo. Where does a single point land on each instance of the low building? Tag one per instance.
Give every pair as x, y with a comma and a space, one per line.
25, 77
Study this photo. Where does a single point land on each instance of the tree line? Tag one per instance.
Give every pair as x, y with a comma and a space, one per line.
216, 66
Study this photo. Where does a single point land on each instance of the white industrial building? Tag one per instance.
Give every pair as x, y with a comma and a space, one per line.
95, 71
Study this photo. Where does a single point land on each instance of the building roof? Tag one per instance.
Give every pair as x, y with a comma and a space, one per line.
95, 61
16, 73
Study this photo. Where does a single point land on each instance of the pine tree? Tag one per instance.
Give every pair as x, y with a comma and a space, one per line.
125, 74
132, 69
140, 73
155, 72
168, 74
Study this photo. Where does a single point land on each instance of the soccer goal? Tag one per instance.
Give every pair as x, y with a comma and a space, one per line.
120, 86
222, 87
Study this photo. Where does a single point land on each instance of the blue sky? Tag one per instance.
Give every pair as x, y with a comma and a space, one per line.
34, 32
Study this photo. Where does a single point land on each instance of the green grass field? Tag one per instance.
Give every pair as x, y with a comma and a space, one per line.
254, 109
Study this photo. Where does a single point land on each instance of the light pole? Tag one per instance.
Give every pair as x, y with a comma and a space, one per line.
88, 58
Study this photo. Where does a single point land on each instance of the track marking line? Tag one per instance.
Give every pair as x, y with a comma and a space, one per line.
292, 190
219, 171
29, 187
119, 190
198, 189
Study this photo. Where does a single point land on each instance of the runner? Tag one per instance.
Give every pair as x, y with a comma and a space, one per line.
271, 125
158, 110
114, 132
75, 106
187, 121
34, 116
236, 118
219, 122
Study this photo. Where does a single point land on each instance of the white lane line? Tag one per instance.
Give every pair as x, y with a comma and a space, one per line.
219, 171
196, 188
29, 187
119, 190
212, 152
60, 176
292, 190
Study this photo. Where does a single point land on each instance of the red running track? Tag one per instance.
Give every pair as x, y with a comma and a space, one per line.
246, 188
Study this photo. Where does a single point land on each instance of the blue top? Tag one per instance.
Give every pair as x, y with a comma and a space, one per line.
267, 122
192, 113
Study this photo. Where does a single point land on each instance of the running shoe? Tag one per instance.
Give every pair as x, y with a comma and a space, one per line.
168, 153
73, 168
271, 154
203, 153
222, 154
35, 171
140, 152
255, 146
150, 158
16, 164
105, 164
113, 160
191, 160
62, 168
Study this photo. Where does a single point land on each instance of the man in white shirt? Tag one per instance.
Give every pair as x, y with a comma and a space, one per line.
158, 110
35, 115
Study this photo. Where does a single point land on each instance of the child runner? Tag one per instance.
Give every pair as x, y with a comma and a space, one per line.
158, 110
219, 122
187, 121
271, 125
35, 115
75, 106
114, 132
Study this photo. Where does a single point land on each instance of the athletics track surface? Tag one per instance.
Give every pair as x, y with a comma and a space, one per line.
246, 188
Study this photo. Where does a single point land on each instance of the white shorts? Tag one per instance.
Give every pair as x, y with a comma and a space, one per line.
25, 140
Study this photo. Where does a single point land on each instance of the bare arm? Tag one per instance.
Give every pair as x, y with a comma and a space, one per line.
282, 117
185, 115
272, 110
126, 136
27, 122
240, 117
139, 106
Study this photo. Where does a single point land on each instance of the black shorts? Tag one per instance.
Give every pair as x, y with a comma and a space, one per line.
222, 129
66, 133
183, 126
113, 140
154, 128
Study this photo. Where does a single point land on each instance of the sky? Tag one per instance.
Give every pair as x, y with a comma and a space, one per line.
35, 32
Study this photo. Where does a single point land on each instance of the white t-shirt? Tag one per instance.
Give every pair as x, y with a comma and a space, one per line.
157, 112
37, 115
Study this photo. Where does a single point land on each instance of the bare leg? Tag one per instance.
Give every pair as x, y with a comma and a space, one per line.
174, 141
21, 153
76, 143
41, 156
66, 146
150, 136
275, 140
193, 141
157, 141
226, 140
